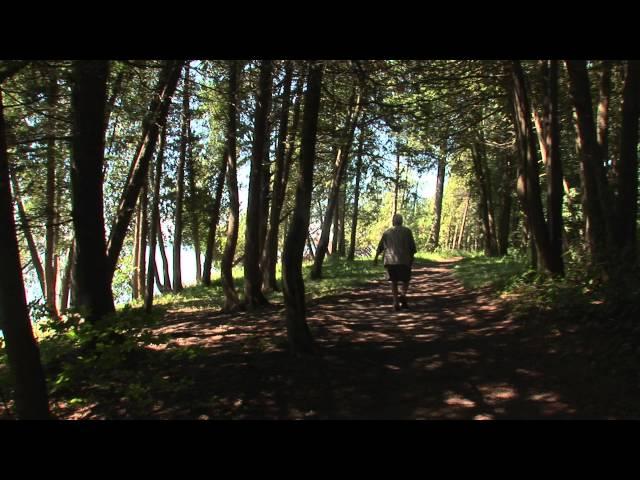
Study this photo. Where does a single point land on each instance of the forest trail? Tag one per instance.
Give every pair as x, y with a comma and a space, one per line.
455, 354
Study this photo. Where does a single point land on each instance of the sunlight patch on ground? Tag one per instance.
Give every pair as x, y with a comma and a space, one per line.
495, 394
457, 400
484, 416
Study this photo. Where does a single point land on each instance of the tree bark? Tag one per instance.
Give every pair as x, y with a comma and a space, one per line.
214, 216
252, 275
153, 122
270, 253
231, 301
88, 99
298, 333
339, 169
23, 355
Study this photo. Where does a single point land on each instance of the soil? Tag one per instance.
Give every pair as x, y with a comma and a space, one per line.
454, 354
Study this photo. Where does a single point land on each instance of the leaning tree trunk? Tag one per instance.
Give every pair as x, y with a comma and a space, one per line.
298, 333
252, 275
153, 122
339, 169
231, 301
23, 355
270, 252
26, 230
627, 168
88, 97
356, 198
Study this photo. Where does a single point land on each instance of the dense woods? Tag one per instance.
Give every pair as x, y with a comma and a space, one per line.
123, 180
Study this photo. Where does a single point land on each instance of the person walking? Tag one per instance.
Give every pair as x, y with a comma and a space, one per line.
399, 248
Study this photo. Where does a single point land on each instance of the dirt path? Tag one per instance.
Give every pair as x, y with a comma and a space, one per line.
454, 355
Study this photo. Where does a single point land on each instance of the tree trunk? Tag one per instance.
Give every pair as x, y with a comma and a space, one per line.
88, 98
142, 245
484, 206
50, 269
594, 194
293, 137
528, 186
23, 355
396, 184
442, 164
554, 167
152, 273
65, 286
135, 294
192, 173
464, 221
340, 167
336, 227
341, 229
252, 275
356, 198
270, 253
627, 168
214, 216
603, 111
163, 255
153, 122
231, 301
26, 229
298, 333
504, 219
177, 222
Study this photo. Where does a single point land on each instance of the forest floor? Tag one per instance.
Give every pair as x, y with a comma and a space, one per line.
455, 354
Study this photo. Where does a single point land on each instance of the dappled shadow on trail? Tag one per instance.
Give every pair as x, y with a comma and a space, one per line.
455, 354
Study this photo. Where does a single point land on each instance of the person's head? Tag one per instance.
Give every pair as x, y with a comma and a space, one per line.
397, 220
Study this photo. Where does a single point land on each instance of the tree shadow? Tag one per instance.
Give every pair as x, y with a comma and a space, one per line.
456, 354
